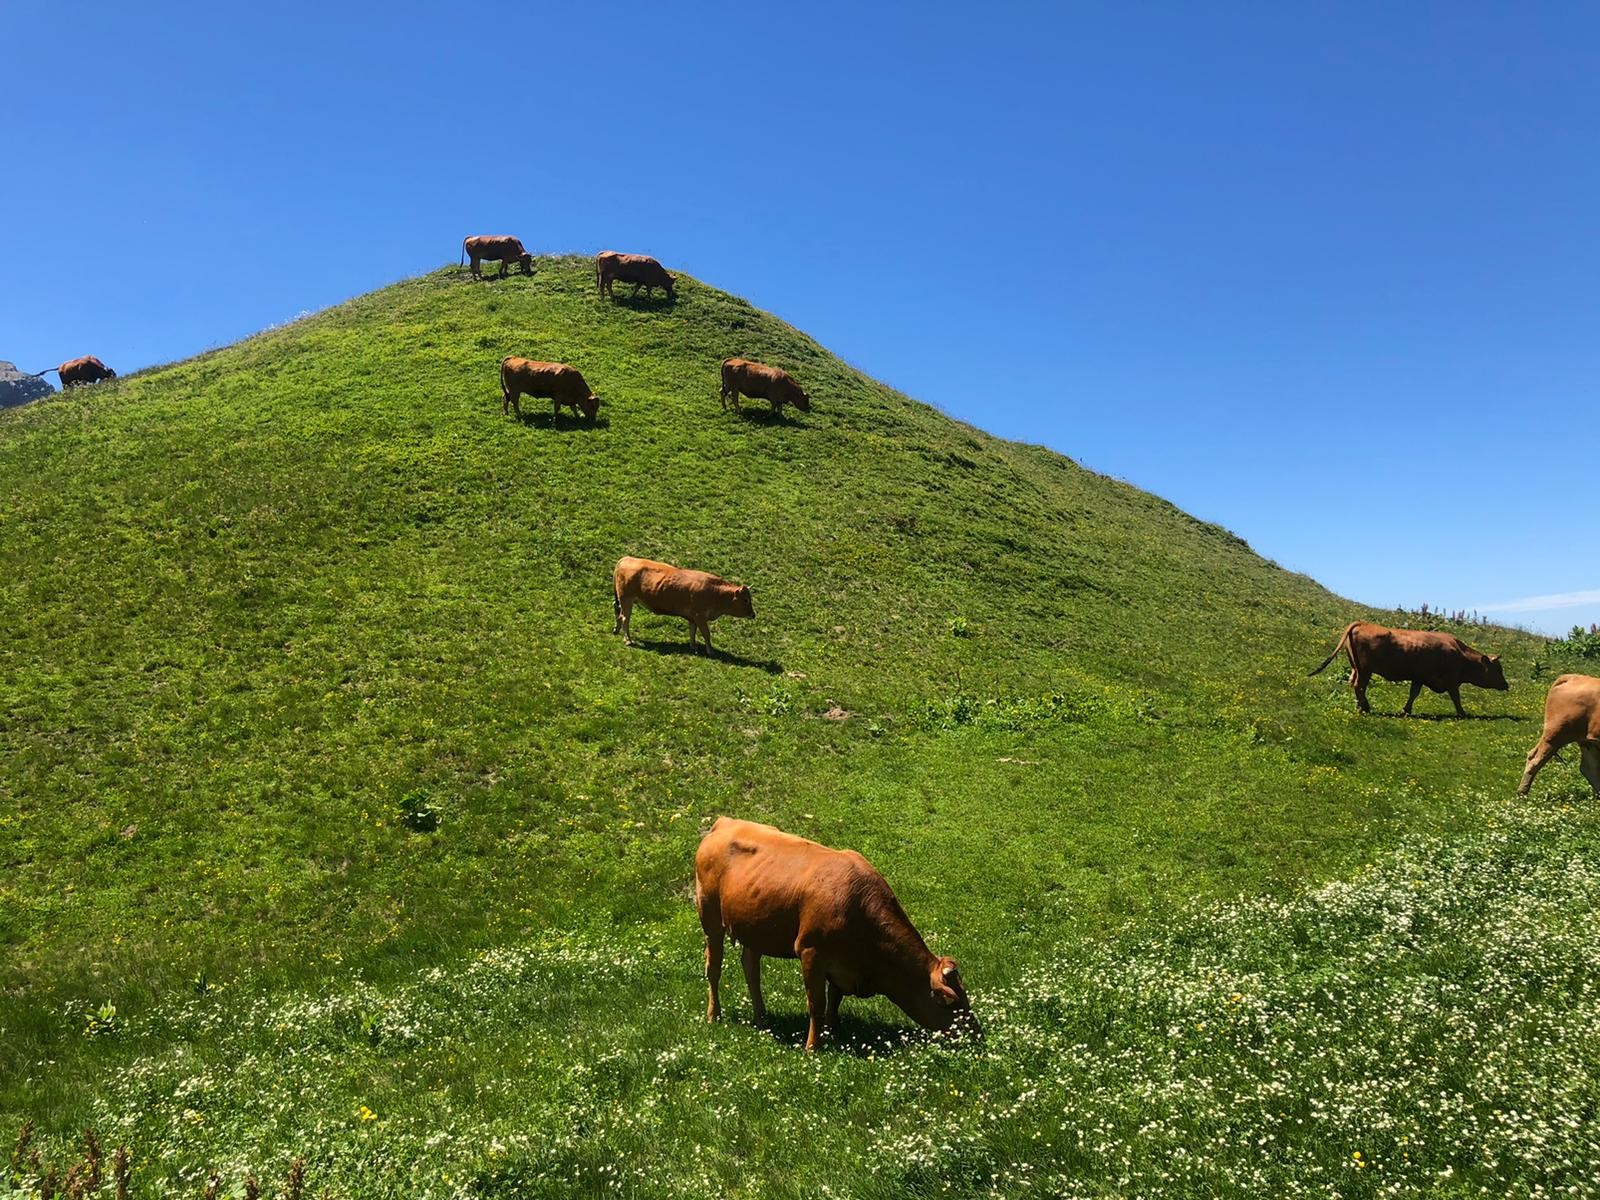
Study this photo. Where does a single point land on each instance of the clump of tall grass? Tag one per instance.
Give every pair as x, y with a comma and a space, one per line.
80, 1175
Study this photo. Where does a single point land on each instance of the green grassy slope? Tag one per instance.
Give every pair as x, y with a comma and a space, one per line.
257, 599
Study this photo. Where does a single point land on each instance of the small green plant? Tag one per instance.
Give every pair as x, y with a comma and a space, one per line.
102, 1022
418, 812
959, 627
779, 702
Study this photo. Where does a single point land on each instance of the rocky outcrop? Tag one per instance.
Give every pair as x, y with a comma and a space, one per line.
17, 387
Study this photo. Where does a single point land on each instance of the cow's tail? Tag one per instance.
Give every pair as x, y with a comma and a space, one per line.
1344, 644
463, 261
47, 370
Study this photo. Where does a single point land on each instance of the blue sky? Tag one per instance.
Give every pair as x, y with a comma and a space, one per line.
1325, 274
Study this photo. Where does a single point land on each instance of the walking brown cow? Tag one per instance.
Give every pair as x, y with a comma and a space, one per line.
1440, 662
781, 896
760, 382
500, 249
638, 269
556, 382
699, 598
1571, 714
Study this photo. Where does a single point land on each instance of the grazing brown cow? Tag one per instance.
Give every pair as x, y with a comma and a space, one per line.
1440, 662
1571, 714
760, 382
503, 250
556, 382
638, 269
695, 596
79, 371
785, 897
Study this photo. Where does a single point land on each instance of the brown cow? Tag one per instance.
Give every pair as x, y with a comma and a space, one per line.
1440, 662
556, 382
503, 250
695, 596
79, 371
785, 897
760, 382
638, 269
1571, 714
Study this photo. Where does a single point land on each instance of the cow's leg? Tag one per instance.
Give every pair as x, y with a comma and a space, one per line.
751, 960
1358, 684
1591, 768
1543, 751
705, 632
476, 274
714, 946
835, 994
816, 996
1416, 690
555, 412
692, 631
503, 265
1455, 697
624, 614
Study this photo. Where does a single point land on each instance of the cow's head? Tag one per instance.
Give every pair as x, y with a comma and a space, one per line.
671, 294
801, 400
1494, 675
947, 1006
525, 261
743, 606
590, 406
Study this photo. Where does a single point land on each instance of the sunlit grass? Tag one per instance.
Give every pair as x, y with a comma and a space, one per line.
309, 691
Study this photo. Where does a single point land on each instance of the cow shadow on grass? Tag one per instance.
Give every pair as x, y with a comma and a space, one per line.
565, 423
662, 646
861, 1037
765, 415
643, 302
1416, 716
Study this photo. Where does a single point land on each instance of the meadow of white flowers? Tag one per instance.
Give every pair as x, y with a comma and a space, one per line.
1430, 1026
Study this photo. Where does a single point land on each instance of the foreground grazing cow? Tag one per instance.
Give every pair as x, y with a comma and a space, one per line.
760, 382
1440, 662
1571, 714
638, 269
503, 250
779, 895
78, 371
695, 596
555, 382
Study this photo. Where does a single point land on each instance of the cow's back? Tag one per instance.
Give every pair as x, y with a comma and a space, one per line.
495, 247
1572, 709
1407, 654
544, 379
769, 885
665, 589
88, 368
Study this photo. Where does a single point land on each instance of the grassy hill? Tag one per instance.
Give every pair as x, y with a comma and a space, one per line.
267, 605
